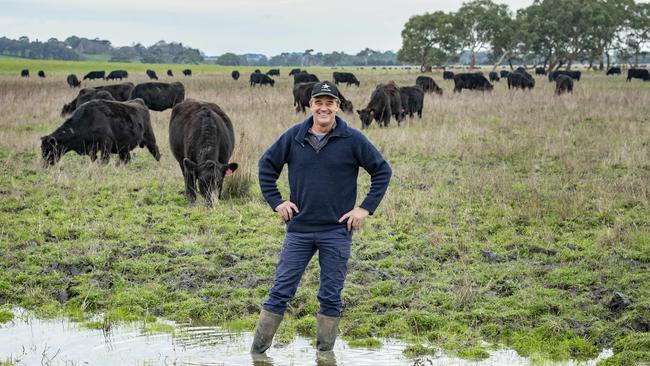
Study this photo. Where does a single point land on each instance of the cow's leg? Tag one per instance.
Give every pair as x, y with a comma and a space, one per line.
125, 156
190, 187
105, 148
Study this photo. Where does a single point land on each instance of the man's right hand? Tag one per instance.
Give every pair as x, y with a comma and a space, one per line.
286, 210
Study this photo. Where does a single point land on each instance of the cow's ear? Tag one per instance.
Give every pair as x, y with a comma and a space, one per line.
189, 165
230, 169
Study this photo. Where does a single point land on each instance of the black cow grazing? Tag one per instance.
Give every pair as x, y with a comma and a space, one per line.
522, 70
302, 95
117, 74
504, 73
159, 96
235, 75
170, 73
414, 100
345, 77
540, 71
614, 70
72, 80
86, 95
120, 93
262, 79
573, 74
257, 71
273, 72
24, 73
294, 71
520, 80
638, 74
471, 81
304, 77
494, 76
95, 75
563, 83
385, 101
187, 72
152, 74
41, 73
428, 85
202, 139
447, 75
103, 126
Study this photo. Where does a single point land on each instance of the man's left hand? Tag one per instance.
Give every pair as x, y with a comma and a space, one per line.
355, 218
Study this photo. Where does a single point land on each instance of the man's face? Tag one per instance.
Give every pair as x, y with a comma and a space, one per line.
324, 109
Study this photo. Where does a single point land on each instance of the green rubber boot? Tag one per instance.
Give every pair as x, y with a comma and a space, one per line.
326, 331
267, 325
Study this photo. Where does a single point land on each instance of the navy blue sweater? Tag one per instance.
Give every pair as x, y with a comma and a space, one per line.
323, 184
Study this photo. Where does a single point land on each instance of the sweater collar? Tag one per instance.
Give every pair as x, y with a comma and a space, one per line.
342, 129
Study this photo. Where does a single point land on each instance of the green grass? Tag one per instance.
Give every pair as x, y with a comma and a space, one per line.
512, 218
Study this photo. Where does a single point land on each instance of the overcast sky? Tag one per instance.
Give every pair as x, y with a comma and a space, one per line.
215, 26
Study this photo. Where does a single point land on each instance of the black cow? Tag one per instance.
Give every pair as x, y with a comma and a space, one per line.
520, 80
72, 80
95, 75
103, 126
152, 74
202, 139
428, 85
447, 75
262, 79
159, 96
117, 74
304, 77
273, 72
563, 83
494, 76
540, 71
187, 72
120, 93
573, 74
170, 73
414, 100
638, 74
471, 81
385, 101
614, 70
504, 73
294, 71
235, 75
345, 77
24, 73
41, 73
302, 95
257, 71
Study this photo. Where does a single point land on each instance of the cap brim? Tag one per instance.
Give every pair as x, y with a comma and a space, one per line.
324, 93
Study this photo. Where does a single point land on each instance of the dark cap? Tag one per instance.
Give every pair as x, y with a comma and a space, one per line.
325, 88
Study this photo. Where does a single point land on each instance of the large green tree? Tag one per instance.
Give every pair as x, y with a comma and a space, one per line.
429, 39
479, 23
228, 59
634, 34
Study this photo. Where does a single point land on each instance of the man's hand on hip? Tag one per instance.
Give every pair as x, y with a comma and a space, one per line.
355, 218
286, 210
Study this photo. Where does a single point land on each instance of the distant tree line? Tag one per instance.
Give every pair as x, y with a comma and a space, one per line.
309, 58
552, 33
73, 48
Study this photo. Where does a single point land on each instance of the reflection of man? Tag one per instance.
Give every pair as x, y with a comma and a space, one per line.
323, 154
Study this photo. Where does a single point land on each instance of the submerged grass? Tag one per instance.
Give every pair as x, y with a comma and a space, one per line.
512, 218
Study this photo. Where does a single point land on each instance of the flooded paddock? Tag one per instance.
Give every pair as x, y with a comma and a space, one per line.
30, 341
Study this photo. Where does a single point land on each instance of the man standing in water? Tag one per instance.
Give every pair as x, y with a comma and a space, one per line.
323, 154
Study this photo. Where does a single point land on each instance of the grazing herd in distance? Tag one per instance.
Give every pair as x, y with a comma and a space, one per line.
115, 118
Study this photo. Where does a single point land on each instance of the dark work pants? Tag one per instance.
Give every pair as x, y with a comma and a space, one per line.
333, 252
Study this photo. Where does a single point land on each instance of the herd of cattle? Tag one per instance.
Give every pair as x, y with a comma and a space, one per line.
115, 118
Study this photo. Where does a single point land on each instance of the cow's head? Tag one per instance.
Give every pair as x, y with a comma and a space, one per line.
209, 175
437, 90
51, 150
346, 106
366, 116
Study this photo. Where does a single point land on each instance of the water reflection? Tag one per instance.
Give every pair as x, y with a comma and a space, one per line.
30, 341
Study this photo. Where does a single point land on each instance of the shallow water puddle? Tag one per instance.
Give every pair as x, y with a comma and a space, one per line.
30, 341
